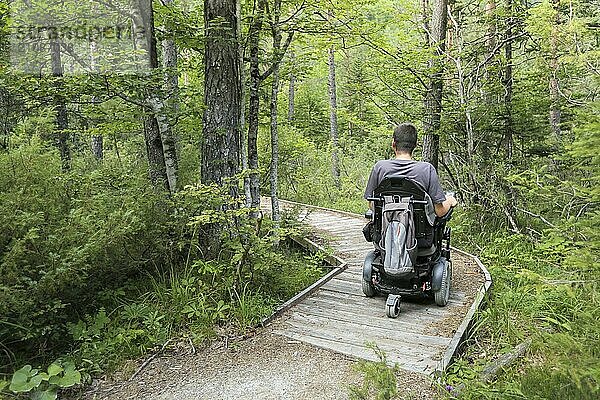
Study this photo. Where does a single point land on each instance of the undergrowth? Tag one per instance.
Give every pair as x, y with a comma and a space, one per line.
96, 267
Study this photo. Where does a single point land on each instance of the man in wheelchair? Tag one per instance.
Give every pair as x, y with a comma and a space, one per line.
408, 212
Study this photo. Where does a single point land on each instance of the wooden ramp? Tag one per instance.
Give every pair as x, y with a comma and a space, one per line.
337, 316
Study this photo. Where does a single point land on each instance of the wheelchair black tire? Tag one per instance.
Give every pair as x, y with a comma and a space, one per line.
442, 296
368, 288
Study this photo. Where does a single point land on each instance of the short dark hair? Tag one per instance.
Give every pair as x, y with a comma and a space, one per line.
405, 137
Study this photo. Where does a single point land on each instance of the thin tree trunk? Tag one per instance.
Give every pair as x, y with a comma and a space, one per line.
508, 85
143, 21
274, 134
464, 101
433, 97
555, 112
97, 144
98, 147
243, 131
490, 12
292, 92
169, 109
335, 162
62, 122
254, 106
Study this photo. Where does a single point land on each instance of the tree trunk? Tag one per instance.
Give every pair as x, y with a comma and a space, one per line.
243, 131
555, 113
274, 134
490, 12
335, 162
508, 84
221, 121
143, 19
433, 97
254, 106
222, 94
154, 151
292, 92
62, 122
168, 111
98, 147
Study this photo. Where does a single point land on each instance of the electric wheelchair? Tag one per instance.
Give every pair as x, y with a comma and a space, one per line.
430, 272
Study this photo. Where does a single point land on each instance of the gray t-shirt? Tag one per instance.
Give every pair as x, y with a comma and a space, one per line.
419, 171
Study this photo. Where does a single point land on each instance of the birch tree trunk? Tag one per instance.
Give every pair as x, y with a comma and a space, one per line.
62, 122
97, 144
169, 108
144, 39
433, 97
98, 147
335, 167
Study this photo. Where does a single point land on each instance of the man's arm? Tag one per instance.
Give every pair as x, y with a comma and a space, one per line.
442, 208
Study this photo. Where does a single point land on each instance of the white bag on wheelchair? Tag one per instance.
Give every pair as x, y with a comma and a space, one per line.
398, 241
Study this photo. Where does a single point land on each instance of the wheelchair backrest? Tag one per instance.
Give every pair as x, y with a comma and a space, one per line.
423, 211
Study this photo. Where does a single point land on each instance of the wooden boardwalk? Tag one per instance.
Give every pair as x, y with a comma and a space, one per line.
337, 316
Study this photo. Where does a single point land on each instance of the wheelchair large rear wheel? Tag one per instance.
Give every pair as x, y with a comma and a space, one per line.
442, 296
367, 286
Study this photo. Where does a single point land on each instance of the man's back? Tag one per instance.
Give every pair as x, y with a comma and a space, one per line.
421, 172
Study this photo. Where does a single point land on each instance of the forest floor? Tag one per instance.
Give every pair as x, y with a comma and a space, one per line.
265, 366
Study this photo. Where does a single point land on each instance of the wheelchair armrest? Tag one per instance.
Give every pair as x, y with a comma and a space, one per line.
445, 218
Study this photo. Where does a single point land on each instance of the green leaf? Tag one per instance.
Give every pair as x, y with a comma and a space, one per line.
54, 369
54, 380
35, 381
20, 380
48, 394
71, 377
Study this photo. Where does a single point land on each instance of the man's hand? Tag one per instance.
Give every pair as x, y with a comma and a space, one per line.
450, 198
442, 209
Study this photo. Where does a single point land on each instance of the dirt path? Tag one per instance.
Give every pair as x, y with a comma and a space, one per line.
266, 366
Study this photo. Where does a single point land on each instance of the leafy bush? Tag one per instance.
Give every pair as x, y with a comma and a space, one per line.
95, 263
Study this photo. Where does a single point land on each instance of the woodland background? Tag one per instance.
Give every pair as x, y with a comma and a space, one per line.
128, 202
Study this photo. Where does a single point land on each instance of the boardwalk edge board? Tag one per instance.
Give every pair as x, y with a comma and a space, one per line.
337, 263
463, 329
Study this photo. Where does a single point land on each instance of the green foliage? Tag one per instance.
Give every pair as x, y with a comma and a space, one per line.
65, 237
45, 385
98, 263
379, 380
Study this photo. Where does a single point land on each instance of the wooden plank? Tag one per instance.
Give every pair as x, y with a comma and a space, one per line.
412, 351
376, 306
366, 319
356, 351
356, 328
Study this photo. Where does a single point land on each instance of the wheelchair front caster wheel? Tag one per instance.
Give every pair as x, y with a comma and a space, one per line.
392, 306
